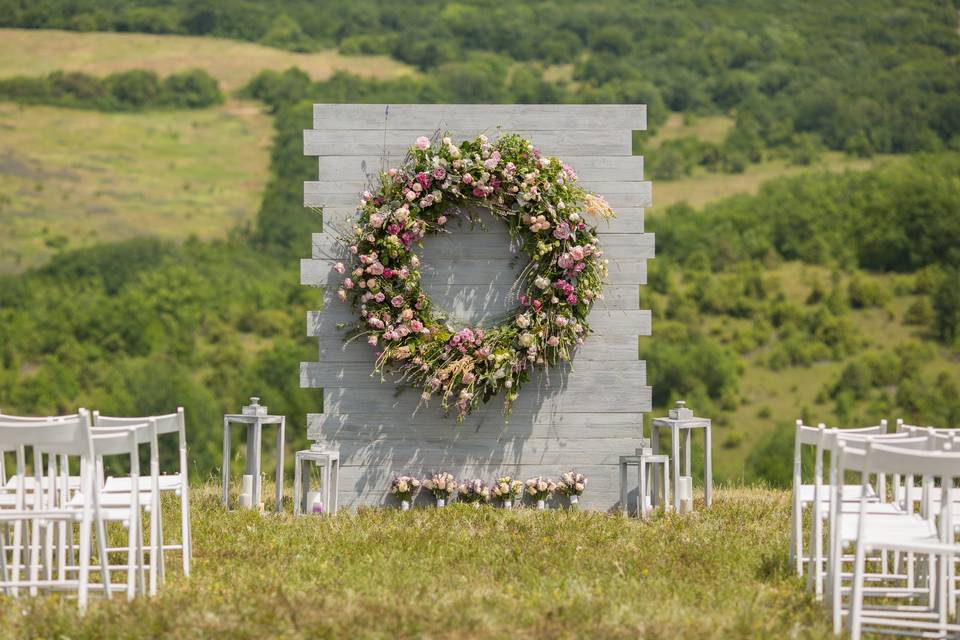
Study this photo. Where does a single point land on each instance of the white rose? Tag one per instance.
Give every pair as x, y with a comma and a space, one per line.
542, 282
523, 321
526, 339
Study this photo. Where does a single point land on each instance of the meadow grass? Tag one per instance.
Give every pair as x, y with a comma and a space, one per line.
464, 573
704, 187
71, 178
35, 52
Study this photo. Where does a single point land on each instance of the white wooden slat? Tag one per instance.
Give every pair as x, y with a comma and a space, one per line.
476, 272
339, 219
475, 452
314, 196
360, 376
624, 187
334, 349
621, 323
430, 117
395, 143
361, 171
332, 427
582, 397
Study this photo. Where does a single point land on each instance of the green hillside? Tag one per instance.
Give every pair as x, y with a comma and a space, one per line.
785, 285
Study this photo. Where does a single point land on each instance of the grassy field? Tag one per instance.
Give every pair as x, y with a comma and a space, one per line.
703, 186
35, 52
464, 573
71, 178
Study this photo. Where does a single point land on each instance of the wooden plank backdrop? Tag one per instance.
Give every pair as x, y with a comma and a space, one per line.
581, 415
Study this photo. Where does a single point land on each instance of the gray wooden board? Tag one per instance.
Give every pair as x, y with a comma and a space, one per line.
431, 117
474, 272
566, 393
315, 194
335, 349
396, 142
585, 414
610, 323
360, 375
359, 171
338, 220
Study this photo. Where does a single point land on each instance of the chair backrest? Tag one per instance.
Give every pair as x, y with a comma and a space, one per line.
168, 423
59, 436
6, 417
145, 429
890, 458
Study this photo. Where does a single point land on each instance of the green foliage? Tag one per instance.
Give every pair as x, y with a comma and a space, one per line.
133, 90
946, 306
891, 219
684, 364
860, 79
141, 327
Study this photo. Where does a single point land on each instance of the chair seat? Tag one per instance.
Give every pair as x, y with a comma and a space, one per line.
848, 508
113, 500
850, 492
171, 482
73, 482
900, 530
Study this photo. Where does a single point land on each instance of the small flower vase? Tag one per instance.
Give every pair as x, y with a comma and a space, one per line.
508, 504
541, 505
441, 503
404, 505
574, 501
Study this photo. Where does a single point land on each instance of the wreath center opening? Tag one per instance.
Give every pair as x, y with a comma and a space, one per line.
471, 272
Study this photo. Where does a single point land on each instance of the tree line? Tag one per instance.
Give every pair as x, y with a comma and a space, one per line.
133, 90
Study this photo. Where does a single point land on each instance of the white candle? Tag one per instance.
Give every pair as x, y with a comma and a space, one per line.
246, 484
314, 502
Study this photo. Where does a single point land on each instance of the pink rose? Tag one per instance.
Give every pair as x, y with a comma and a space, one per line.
380, 297
572, 299
562, 232
416, 326
577, 253
467, 178
376, 221
347, 283
439, 173
366, 196
479, 192
423, 143
442, 220
553, 341
397, 301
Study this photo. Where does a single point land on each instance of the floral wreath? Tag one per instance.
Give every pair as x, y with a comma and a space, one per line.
546, 213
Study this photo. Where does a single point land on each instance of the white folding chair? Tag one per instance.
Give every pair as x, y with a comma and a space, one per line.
55, 438
149, 497
176, 482
929, 535
803, 494
849, 495
905, 581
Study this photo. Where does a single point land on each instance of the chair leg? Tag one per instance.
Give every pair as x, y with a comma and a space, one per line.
104, 558
155, 545
34, 554
84, 552
133, 554
856, 598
